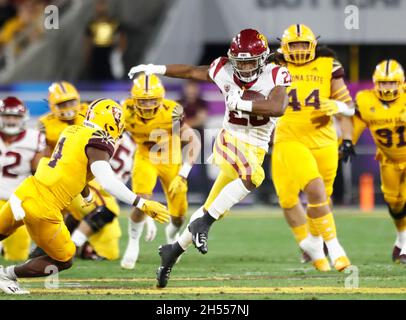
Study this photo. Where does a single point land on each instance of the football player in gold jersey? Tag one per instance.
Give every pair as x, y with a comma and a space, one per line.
305, 143
94, 221
82, 154
155, 124
99, 225
383, 111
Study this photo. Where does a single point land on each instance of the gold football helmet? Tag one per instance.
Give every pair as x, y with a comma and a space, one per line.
389, 80
148, 94
298, 44
64, 100
106, 115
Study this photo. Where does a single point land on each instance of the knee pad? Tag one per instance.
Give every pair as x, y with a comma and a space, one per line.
99, 217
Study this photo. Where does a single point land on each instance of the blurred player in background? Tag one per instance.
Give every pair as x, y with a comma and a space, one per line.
382, 110
305, 146
82, 154
155, 124
20, 151
242, 143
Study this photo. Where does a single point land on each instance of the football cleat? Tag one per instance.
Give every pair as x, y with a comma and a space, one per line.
305, 258
396, 254
402, 259
36, 252
200, 234
9, 285
341, 263
321, 265
168, 258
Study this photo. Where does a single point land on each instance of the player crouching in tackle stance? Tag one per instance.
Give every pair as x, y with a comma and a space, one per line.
240, 147
382, 110
20, 151
155, 124
82, 154
305, 151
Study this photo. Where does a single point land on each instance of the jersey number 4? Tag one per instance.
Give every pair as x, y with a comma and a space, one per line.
57, 154
312, 100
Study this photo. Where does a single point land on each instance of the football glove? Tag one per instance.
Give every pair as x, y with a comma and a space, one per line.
347, 151
148, 69
178, 185
151, 229
328, 107
232, 100
156, 211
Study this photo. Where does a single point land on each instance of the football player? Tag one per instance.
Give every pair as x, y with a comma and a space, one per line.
305, 143
82, 154
97, 216
382, 111
20, 151
241, 145
155, 125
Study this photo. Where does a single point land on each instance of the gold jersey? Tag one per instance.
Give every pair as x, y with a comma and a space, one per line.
157, 139
301, 121
386, 122
52, 126
66, 173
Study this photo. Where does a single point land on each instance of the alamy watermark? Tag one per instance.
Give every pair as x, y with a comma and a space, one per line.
51, 17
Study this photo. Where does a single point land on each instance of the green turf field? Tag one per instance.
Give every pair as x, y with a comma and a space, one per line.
252, 255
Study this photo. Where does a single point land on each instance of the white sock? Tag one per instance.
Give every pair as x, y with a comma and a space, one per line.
171, 231
401, 239
335, 250
231, 194
185, 239
313, 246
78, 238
135, 229
10, 272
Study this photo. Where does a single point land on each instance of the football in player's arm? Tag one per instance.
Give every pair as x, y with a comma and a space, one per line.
243, 141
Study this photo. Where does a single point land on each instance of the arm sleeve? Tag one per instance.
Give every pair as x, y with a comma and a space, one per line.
105, 176
358, 123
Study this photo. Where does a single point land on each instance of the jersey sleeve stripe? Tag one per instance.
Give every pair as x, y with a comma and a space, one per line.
220, 64
275, 73
99, 144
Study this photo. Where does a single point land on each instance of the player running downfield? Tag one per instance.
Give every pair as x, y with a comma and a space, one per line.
240, 146
382, 111
305, 151
20, 151
155, 124
82, 154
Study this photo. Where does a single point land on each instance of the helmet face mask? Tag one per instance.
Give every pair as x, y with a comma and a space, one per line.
148, 95
388, 80
247, 54
147, 108
11, 124
298, 44
13, 116
64, 100
67, 110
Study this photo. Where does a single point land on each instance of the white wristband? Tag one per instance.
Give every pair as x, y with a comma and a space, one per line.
140, 203
185, 169
160, 69
244, 105
344, 109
